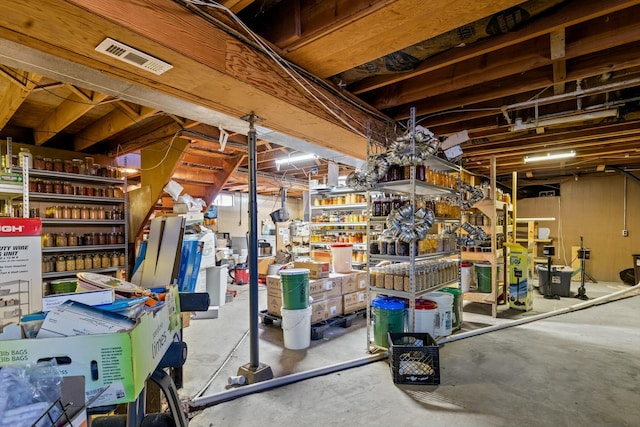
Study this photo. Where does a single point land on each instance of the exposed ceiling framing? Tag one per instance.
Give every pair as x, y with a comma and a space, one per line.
498, 70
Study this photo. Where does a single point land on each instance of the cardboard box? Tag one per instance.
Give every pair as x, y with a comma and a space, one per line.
115, 366
329, 287
354, 301
361, 280
348, 281
274, 287
274, 305
263, 265
326, 309
317, 270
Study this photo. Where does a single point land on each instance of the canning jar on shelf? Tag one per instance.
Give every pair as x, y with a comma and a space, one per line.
97, 260
61, 240
61, 264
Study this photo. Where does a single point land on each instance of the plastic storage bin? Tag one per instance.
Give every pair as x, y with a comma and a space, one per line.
560, 281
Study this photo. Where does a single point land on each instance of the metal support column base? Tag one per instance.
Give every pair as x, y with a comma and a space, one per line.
257, 374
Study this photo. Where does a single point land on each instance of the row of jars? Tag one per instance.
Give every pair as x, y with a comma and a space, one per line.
347, 218
359, 257
422, 173
432, 243
78, 262
85, 166
50, 240
70, 188
347, 199
341, 238
427, 274
115, 213
442, 207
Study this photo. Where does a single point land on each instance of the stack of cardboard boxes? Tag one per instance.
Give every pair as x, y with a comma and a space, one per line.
333, 294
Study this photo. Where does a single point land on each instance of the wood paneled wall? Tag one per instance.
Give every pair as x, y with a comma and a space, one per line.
592, 207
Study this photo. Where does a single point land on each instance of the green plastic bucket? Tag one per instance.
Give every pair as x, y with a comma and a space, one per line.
456, 318
483, 277
388, 316
295, 288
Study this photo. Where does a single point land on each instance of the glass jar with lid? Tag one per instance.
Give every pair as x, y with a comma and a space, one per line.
66, 212
77, 166
68, 166
72, 239
57, 187
79, 262
85, 213
76, 212
38, 163
70, 263
67, 188
61, 264
106, 260
97, 260
88, 262
121, 259
58, 165
115, 260
47, 240
61, 240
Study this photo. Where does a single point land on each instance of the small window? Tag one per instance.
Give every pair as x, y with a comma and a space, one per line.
223, 200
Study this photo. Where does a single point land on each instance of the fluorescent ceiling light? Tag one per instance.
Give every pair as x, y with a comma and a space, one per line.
551, 121
297, 158
549, 156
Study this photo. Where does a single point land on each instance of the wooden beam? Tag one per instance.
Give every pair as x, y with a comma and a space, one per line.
220, 179
70, 110
116, 121
496, 65
222, 74
158, 164
368, 33
86, 96
14, 94
571, 14
580, 68
558, 53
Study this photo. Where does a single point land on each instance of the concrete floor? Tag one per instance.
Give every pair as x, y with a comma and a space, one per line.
575, 369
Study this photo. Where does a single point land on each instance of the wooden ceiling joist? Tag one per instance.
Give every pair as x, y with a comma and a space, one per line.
116, 121
222, 73
70, 110
15, 92
572, 14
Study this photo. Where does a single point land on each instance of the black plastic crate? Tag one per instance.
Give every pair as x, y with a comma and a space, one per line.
414, 358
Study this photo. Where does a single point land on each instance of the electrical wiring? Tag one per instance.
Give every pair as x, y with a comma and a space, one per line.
260, 45
286, 67
166, 154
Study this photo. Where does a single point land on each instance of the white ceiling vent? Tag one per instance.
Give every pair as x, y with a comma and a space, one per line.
133, 56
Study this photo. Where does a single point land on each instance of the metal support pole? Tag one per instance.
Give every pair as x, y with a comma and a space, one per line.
254, 371
253, 246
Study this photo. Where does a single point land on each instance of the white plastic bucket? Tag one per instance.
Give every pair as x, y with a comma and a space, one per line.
341, 257
296, 328
465, 276
445, 309
425, 316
